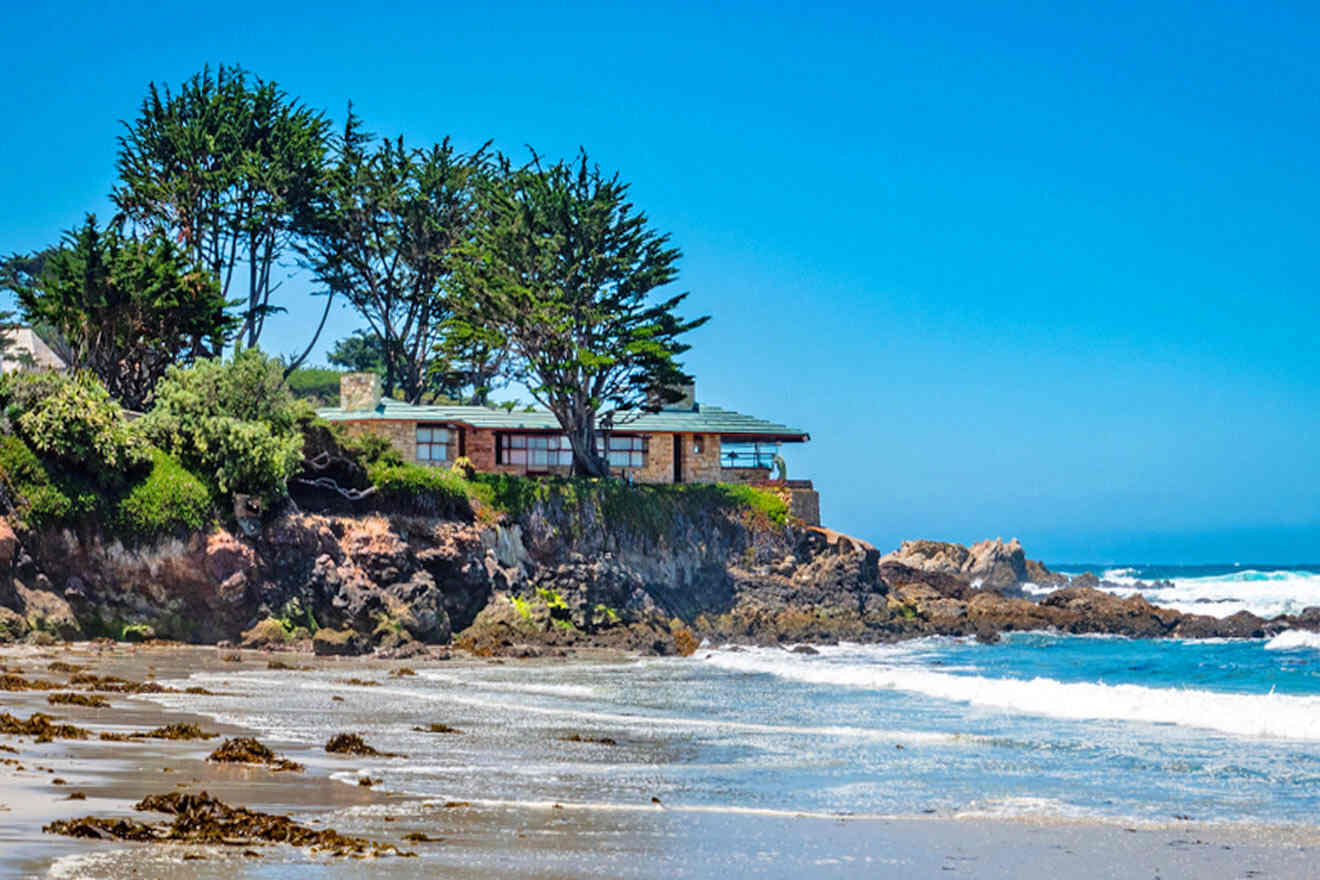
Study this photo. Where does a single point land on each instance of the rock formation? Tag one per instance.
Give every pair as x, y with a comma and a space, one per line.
557, 575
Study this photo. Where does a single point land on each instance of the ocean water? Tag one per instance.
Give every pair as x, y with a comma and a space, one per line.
1038, 724
593, 757
1216, 590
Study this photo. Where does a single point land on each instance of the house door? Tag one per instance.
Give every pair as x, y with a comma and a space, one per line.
678, 458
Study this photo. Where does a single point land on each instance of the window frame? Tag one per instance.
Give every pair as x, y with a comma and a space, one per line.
540, 451
760, 456
447, 446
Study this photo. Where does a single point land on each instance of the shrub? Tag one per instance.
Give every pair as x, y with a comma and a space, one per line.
43, 497
73, 422
369, 448
168, 499
233, 421
426, 490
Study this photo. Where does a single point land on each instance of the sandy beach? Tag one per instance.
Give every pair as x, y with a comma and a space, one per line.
593, 837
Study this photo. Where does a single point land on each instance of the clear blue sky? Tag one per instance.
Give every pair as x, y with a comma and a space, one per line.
1020, 270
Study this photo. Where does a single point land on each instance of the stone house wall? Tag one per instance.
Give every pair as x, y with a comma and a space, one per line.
744, 475
701, 458
659, 467
480, 444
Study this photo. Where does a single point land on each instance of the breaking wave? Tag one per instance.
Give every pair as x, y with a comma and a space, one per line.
1255, 715
1265, 593
1293, 639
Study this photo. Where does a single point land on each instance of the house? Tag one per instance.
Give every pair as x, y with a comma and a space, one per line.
685, 442
27, 350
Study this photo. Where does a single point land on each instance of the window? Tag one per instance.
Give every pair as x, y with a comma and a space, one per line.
535, 451
627, 452
433, 445
541, 451
748, 455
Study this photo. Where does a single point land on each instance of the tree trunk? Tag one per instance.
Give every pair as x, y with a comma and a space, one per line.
581, 430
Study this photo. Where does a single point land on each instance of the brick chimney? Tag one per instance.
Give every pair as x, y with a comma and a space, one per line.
359, 392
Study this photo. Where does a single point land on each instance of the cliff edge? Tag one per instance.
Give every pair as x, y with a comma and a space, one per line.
565, 571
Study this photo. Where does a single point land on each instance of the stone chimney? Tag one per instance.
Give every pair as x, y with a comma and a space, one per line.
686, 403
359, 392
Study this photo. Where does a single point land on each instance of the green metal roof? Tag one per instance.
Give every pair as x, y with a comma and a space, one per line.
701, 420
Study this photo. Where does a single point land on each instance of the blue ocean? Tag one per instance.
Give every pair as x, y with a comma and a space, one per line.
1038, 724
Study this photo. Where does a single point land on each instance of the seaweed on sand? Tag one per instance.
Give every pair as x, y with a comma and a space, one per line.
169, 731
200, 818
95, 701
39, 726
115, 685
435, 727
246, 750
12, 682
352, 744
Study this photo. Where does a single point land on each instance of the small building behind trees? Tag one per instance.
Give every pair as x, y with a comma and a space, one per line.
26, 350
684, 442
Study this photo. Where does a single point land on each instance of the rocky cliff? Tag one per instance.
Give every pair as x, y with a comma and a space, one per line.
558, 574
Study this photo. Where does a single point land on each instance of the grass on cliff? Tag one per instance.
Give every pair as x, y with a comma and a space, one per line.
648, 510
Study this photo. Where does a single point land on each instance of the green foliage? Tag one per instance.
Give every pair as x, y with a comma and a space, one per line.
73, 423
382, 232
650, 510
362, 352
125, 308
234, 421
553, 600
224, 165
295, 618
44, 495
137, 632
164, 500
427, 490
317, 385
758, 501
370, 448
167, 500
563, 267
523, 609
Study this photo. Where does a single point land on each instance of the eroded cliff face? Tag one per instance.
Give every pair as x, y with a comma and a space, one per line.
558, 575
554, 575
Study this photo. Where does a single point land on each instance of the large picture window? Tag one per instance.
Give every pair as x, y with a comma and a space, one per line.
748, 455
627, 452
536, 451
434, 445
540, 451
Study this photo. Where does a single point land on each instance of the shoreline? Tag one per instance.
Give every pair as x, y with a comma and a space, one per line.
526, 838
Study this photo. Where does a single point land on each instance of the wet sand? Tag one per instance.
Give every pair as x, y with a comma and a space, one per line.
506, 839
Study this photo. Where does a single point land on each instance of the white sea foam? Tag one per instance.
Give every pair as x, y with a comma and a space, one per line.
1263, 593
1257, 715
714, 725
1021, 807
1293, 639
432, 803
79, 864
